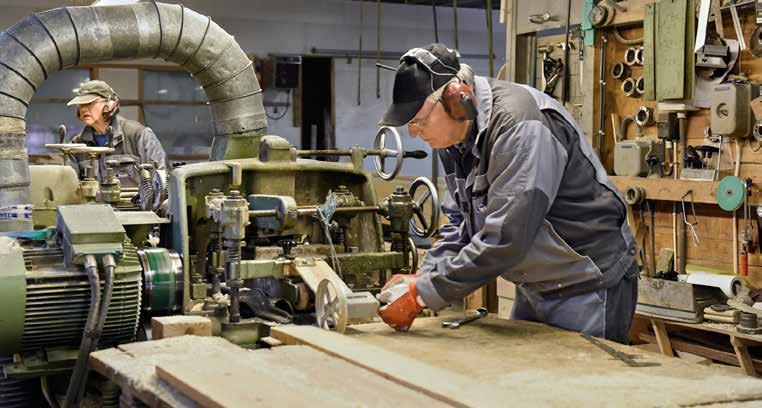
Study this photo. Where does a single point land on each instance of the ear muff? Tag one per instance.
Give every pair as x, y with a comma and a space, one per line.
459, 100
111, 107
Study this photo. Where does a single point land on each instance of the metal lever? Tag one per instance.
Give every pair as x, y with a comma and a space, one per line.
480, 312
415, 154
61, 134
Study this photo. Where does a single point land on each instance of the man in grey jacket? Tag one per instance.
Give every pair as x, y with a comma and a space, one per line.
527, 201
133, 143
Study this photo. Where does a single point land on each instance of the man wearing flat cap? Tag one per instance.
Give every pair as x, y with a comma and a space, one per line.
134, 144
527, 199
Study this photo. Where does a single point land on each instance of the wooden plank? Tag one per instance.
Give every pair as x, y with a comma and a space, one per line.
744, 358
233, 385
271, 377
721, 328
664, 189
522, 357
662, 338
671, 19
136, 377
442, 385
289, 376
172, 326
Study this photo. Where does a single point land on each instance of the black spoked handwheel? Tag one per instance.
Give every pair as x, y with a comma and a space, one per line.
419, 225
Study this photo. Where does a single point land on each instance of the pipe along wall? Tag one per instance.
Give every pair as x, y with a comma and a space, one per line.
68, 36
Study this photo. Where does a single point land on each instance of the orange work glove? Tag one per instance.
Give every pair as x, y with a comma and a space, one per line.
402, 302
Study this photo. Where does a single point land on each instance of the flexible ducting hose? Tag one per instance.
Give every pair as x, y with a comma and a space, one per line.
79, 373
53, 40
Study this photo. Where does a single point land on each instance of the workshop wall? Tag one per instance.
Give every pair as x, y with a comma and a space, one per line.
715, 226
296, 26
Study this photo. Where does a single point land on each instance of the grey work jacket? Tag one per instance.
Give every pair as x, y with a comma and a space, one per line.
541, 212
132, 143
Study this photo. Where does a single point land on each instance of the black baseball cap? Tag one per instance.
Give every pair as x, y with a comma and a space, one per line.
418, 76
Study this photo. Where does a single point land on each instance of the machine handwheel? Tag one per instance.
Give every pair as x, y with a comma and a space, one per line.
418, 223
160, 188
331, 307
380, 144
413, 255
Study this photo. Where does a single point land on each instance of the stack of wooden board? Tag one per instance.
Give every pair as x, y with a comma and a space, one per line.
488, 363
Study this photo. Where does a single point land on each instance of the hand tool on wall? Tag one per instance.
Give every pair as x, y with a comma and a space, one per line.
746, 240
602, 98
552, 69
737, 26
652, 237
755, 41
454, 324
759, 224
690, 224
730, 197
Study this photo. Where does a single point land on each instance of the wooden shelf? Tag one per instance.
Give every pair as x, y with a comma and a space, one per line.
664, 189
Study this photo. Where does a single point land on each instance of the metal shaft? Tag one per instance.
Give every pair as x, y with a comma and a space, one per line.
233, 282
565, 84
683, 238
602, 101
305, 211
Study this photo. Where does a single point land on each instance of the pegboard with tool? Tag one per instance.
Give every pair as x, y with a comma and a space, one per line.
677, 122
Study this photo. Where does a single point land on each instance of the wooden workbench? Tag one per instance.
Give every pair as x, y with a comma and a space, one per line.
491, 362
739, 341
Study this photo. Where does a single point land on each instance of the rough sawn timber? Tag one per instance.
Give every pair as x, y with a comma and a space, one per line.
528, 364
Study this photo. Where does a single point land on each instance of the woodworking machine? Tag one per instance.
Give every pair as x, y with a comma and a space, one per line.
246, 239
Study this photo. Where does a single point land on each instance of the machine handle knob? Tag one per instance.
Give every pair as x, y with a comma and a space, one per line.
415, 154
61, 134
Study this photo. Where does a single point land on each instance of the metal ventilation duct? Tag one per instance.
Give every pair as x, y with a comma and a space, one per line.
56, 39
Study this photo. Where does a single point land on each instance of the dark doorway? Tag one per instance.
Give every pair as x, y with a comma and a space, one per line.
317, 104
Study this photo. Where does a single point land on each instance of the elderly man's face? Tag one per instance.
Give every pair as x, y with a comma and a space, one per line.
92, 112
435, 126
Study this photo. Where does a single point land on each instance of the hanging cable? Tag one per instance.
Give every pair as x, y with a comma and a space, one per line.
491, 57
455, 20
436, 29
378, 48
359, 60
